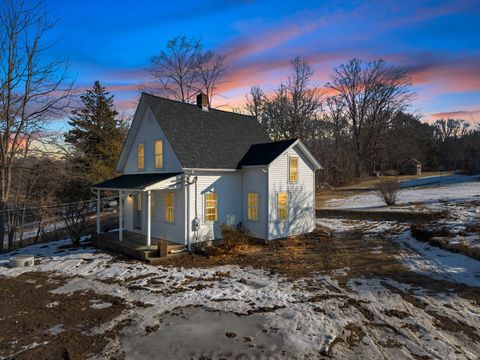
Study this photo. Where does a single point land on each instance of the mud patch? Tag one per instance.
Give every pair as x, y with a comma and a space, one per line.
38, 324
203, 333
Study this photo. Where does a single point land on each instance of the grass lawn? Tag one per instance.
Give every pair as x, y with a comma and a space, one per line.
363, 185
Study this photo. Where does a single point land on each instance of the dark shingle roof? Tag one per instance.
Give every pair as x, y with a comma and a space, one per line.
135, 181
211, 139
264, 154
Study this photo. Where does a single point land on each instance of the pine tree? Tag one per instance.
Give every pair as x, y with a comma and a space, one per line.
97, 134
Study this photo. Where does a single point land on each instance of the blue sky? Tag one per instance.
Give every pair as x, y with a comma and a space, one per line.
437, 41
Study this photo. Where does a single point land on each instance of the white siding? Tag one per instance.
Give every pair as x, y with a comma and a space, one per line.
148, 132
254, 180
301, 207
228, 188
160, 228
128, 212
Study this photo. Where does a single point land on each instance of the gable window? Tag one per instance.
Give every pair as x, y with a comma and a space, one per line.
141, 156
293, 168
169, 207
211, 213
282, 206
253, 206
159, 154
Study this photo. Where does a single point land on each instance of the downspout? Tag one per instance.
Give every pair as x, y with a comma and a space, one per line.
187, 207
188, 183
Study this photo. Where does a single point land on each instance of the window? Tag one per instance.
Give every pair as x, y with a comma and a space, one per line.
282, 206
159, 154
141, 156
293, 169
211, 207
253, 206
169, 207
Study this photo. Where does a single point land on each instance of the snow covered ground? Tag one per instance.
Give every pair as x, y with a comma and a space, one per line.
455, 196
231, 311
429, 192
418, 256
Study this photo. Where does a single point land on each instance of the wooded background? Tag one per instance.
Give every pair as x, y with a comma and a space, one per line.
358, 124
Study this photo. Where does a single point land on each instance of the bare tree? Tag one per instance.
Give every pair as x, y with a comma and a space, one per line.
371, 93
32, 91
176, 67
255, 100
293, 110
183, 69
211, 71
450, 129
451, 136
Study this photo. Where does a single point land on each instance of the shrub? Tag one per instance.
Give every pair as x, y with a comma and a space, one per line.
388, 191
234, 236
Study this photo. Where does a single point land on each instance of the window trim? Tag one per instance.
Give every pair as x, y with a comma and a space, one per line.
257, 207
216, 207
289, 169
286, 206
138, 156
155, 154
165, 220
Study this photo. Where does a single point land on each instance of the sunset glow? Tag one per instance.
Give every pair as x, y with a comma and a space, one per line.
436, 41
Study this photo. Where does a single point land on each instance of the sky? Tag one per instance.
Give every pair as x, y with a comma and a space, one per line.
438, 43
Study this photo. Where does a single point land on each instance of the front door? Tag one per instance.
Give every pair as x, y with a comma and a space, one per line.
137, 211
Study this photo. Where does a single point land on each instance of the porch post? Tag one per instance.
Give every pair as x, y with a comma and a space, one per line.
120, 215
98, 211
149, 219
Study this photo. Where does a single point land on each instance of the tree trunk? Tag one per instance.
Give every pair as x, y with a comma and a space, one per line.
3, 230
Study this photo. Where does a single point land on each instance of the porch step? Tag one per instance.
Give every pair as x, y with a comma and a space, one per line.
176, 249
171, 250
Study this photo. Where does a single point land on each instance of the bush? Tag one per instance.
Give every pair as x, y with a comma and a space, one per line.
388, 191
234, 236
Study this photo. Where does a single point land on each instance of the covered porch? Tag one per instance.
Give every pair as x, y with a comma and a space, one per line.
134, 245
130, 241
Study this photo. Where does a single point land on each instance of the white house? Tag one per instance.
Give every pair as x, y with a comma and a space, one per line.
187, 168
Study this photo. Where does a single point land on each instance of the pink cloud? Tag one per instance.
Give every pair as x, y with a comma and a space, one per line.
468, 115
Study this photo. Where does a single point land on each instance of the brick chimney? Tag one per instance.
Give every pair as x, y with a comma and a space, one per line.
202, 101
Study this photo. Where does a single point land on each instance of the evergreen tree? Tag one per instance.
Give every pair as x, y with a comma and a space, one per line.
97, 134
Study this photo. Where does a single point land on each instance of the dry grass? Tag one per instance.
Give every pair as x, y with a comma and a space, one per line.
363, 185
302, 256
439, 236
318, 253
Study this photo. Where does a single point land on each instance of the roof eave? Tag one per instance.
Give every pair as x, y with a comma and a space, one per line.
209, 170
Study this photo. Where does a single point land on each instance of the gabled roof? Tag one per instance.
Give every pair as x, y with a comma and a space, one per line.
134, 181
265, 153
201, 139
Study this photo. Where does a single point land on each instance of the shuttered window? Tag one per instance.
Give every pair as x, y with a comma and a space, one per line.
169, 207
159, 154
282, 206
253, 206
293, 168
141, 156
211, 213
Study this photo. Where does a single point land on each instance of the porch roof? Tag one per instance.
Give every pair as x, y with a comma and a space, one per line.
135, 181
